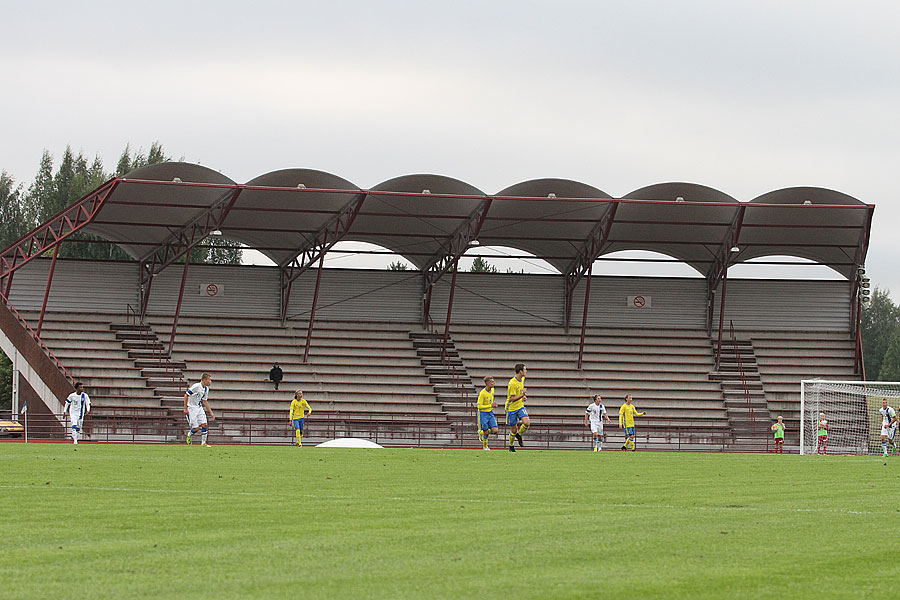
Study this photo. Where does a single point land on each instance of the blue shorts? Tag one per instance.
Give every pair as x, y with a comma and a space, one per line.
513, 418
298, 424
629, 431
487, 420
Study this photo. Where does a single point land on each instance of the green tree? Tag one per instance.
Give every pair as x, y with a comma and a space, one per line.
75, 178
12, 214
479, 265
879, 325
5, 382
397, 266
890, 363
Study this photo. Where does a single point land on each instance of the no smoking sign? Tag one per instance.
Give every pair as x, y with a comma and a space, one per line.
639, 301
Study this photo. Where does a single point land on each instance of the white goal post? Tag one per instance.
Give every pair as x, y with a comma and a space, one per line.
851, 410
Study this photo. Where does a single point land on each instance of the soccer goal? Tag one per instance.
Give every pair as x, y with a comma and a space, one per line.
852, 421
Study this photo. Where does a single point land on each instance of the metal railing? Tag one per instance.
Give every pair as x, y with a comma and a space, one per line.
37, 338
124, 425
743, 375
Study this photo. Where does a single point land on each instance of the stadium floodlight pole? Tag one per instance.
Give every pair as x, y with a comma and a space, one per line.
184, 240
47, 290
450, 253
862, 248
589, 252
312, 312
316, 246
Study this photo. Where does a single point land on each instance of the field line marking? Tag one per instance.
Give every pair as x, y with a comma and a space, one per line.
445, 500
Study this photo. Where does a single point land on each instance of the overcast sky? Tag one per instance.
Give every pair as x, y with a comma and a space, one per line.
745, 97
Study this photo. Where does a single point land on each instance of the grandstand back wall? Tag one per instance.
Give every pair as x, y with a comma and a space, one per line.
374, 295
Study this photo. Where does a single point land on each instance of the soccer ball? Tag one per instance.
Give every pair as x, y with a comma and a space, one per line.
775, 427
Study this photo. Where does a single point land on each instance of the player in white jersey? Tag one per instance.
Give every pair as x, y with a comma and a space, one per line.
78, 404
593, 416
888, 425
195, 400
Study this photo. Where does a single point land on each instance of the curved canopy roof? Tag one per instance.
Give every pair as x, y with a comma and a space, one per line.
285, 212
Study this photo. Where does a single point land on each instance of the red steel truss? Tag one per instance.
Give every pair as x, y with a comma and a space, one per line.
50, 234
313, 250
184, 240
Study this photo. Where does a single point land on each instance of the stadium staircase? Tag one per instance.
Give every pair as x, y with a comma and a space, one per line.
745, 400
448, 375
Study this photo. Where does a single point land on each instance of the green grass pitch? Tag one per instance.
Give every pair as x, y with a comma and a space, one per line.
143, 521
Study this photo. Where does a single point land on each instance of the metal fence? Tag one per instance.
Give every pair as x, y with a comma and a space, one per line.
235, 427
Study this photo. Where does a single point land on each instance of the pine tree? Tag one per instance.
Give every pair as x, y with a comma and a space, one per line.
479, 265
880, 325
12, 214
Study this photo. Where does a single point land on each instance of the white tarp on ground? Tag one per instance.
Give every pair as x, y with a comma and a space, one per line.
348, 443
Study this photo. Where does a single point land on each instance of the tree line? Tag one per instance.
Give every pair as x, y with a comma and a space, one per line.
58, 185
55, 187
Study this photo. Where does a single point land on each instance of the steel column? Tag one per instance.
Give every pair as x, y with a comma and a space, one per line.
9, 276
721, 317
187, 262
587, 298
449, 254
47, 290
317, 246
449, 311
312, 312
587, 254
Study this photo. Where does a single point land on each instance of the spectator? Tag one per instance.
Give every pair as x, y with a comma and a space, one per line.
276, 374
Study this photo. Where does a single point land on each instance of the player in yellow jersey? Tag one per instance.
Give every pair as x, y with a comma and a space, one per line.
626, 421
516, 416
298, 416
487, 422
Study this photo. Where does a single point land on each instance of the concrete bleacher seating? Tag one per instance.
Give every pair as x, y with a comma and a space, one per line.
373, 374
786, 358
356, 367
665, 371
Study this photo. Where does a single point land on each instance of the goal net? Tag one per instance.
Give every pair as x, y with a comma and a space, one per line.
851, 410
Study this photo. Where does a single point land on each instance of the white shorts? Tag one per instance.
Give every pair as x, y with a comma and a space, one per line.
74, 421
889, 432
596, 427
196, 416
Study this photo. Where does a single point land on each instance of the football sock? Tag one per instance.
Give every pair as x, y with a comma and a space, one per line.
884, 446
299, 436
599, 443
484, 441
512, 439
205, 434
74, 435
523, 429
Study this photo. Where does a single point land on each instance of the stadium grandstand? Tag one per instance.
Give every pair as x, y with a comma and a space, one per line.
397, 356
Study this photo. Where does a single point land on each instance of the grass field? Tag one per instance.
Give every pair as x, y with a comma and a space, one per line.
131, 521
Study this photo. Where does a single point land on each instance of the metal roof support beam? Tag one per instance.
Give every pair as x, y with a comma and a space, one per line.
184, 240
717, 272
312, 312
450, 253
187, 263
316, 247
587, 299
587, 254
449, 312
721, 318
53, 231
47, 291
